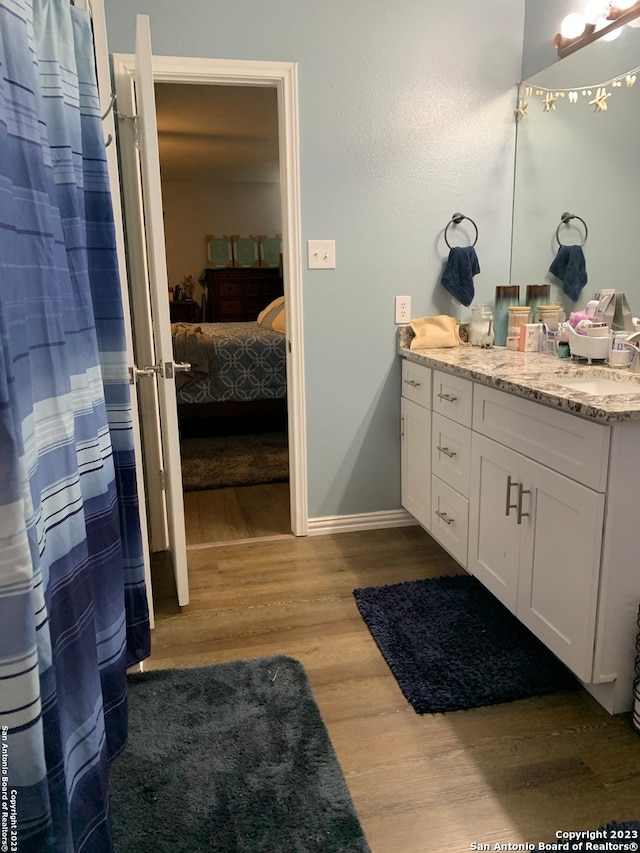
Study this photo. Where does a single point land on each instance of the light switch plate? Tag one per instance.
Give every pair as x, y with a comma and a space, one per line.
321, 254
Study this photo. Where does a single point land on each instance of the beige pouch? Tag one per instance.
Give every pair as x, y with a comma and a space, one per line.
438, 331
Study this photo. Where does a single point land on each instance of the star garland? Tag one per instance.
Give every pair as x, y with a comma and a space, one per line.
598, 93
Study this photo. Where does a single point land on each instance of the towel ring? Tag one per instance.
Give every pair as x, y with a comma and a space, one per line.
565, 219
456, 219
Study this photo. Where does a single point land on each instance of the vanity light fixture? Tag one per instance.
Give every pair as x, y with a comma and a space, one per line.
600, 20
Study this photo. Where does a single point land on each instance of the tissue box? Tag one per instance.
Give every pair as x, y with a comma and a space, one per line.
530, 337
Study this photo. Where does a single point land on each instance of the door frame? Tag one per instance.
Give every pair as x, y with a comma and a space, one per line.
284, 77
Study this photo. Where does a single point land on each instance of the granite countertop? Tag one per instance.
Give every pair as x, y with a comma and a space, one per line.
536, 376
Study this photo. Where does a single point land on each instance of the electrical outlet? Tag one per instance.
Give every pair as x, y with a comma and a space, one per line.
403, 310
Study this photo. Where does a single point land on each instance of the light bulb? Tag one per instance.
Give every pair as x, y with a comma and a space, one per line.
595, 9
624, 4
572, 26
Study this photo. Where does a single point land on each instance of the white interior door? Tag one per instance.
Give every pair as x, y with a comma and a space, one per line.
103, 73
156, 266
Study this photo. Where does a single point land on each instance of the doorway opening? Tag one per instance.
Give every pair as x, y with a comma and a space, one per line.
282, 77
220, 171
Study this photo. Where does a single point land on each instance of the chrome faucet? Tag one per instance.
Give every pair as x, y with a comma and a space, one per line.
630, 343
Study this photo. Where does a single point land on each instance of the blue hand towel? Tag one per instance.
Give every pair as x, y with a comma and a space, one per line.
570, 267
458, 274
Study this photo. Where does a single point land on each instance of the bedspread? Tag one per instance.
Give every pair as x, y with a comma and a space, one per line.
244, 362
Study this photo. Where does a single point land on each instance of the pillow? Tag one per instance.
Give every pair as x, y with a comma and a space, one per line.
273, 316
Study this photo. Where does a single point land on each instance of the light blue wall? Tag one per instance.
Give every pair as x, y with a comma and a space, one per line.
406, 115
542, 22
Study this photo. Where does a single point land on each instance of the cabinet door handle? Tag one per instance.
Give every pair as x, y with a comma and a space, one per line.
413, 383
447, 398
522, 491
446, 451
444, 517
509, 505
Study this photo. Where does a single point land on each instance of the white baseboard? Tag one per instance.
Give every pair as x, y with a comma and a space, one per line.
360, 521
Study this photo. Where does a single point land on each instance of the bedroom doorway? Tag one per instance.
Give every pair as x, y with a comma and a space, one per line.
283, 78
220, 170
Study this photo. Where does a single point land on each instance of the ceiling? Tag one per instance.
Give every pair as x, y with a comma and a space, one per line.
217, 133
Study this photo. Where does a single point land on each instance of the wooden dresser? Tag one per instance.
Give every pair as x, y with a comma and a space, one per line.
238, 294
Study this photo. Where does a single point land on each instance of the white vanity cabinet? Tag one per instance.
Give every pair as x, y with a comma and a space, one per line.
450, 462
544, 508
415, 431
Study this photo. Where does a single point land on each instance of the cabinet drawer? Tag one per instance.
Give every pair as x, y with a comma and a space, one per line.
229, 288
416, 383
451, 453
452, 397
450, 520
230, 307
565, 443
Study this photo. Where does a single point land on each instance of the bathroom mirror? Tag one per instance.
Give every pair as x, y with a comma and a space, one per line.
585, 162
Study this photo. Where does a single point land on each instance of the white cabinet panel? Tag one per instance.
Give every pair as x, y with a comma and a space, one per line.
452, 397
560, 566
450, 520
494, 535
416, 461
416, 383
451, 454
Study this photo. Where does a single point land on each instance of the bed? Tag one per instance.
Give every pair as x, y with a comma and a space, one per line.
238, 363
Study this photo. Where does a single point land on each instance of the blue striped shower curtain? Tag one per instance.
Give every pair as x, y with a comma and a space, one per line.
73, 610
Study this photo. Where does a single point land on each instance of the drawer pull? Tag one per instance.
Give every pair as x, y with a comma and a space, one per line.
522, 491
510, 506
448, 398
444, 517
447, 452
413, 383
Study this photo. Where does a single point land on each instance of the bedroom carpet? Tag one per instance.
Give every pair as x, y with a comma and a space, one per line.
451, 645
234, 460
230, 757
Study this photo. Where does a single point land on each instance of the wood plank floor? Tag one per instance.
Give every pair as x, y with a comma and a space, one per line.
237, 513
510, 773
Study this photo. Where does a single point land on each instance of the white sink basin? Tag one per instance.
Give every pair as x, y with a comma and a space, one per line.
600, 387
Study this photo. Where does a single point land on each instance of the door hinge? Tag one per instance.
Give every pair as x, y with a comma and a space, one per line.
400, 427
134, 125
163, 480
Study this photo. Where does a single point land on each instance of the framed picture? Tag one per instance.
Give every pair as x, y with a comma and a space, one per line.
270, 249
245, 251
219, 251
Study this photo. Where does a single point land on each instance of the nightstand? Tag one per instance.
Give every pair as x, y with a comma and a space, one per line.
188, 311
